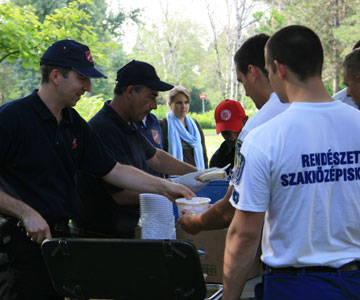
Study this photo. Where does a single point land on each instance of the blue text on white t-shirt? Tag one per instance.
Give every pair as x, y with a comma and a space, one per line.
329, 168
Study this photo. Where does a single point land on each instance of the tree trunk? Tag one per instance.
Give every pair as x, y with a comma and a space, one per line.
239, 24
242, 12
172, 48
336, 55
216, 48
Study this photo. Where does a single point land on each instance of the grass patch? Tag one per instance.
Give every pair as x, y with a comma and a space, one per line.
212, 141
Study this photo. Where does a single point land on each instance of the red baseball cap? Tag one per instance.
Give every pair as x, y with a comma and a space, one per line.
229, 115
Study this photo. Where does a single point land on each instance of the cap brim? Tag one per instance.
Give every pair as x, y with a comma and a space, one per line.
227, 126
159, 86
91, 72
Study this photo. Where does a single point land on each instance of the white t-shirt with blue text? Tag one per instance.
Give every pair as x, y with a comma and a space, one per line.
269, 110
303, 169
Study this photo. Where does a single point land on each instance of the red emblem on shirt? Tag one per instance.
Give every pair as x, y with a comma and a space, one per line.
74, 144
156, 136
88, 56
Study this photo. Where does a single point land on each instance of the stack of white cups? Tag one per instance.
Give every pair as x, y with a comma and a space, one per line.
157, 220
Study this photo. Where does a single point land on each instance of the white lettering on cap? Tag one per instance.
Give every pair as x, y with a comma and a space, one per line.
88, 56
225, 115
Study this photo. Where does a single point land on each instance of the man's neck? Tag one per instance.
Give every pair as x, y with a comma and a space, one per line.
312, 90
266, 91
50, 99
121, 109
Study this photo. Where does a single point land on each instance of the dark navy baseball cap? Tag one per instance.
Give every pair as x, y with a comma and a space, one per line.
71, 54
139, 72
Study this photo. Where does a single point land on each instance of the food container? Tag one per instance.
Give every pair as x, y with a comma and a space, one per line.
197, 204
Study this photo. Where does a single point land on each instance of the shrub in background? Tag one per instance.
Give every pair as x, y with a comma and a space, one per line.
206, 120
87, 107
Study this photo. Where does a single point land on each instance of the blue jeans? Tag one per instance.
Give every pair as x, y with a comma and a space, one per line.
309, 286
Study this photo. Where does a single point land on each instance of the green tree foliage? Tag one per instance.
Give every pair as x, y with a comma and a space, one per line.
269, 21
196, 102
326, 17
87, 107
175, 49
42, 8
23, 39
161, 111
348, 32
19, 28
23, 36
28, 27
206, 120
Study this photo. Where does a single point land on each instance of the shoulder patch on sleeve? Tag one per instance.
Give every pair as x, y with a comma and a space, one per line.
239, 162
235, 196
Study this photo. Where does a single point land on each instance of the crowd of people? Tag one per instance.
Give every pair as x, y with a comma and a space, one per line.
294, 169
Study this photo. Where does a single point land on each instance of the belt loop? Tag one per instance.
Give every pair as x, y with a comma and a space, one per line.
267, 269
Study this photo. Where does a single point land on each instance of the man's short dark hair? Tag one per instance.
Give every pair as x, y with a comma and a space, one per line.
357, 45
46, 70
299, 48
351, 63
251, 52
119, 89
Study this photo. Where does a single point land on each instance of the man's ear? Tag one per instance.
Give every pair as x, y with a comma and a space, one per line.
130, 90
357, 78
54, 76
280, 68
253, 72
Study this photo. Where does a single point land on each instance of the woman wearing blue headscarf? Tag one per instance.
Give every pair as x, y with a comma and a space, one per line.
183, 136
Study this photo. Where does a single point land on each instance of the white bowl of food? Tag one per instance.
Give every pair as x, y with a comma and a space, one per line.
197, 204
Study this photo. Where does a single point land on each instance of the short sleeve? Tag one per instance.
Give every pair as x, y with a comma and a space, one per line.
149, 149
252, 188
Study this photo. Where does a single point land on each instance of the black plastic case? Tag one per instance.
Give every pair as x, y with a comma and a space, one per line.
125, 269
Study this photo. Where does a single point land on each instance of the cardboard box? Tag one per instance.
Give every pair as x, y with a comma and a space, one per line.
212, 244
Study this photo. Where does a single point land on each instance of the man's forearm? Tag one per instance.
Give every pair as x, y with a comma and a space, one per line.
36, 227
242, 242
134, 179
126, 197
165, 163
218, 216
238, 260
13, 207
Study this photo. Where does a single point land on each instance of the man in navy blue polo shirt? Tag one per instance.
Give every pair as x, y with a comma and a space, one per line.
44, 142
116, 210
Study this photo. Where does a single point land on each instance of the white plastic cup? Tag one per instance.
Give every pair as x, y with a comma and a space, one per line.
156, 220
197, 204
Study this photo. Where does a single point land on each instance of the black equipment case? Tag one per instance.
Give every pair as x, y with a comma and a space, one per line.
125, 269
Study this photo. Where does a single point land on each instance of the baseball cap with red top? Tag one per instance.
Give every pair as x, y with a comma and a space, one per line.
229, 116
71, 54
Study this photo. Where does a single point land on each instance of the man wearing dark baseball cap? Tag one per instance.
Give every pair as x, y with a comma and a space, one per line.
139, 72
44, 143
116, 210
73, 55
